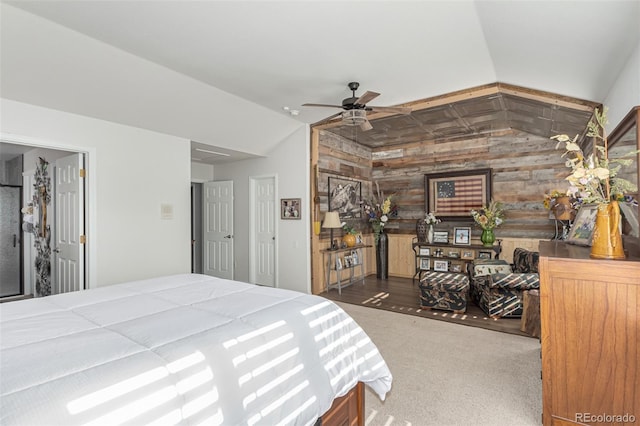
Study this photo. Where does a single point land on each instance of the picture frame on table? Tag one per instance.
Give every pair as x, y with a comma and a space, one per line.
424, 251
462, 236
467, 255
425, 264
359, 239
441, 237
441, 265
454, 254
451, 195
354, 258
484, 254
581, 232
456, 268
338, 263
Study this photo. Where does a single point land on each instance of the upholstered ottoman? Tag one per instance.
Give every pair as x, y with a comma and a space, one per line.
498, 290
444, 290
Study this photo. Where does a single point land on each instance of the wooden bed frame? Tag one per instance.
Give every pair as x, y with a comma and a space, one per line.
346, 410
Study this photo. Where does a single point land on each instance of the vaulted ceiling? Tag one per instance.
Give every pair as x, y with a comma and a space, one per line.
470, 113
280, 55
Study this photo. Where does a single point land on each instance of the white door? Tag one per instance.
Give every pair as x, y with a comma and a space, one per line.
262, 258
217, 220
68, 247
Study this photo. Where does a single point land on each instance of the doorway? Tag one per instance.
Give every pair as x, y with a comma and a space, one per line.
196, 228
11, 282
67, 271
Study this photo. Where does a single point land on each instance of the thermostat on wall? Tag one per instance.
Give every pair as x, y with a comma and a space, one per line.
166, 211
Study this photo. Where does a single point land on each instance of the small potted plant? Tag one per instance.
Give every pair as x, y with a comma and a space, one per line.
349, 238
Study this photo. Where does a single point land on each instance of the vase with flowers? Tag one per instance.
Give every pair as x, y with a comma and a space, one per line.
488, 218
593, 179
379, 211
424, 227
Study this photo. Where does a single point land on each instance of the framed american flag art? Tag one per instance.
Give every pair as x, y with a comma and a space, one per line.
452, 195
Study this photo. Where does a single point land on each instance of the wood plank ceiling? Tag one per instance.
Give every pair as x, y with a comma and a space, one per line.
472, 112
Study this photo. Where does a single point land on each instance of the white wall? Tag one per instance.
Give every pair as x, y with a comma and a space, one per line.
289, 161
201, 172
625, 92
43, 63
131, 173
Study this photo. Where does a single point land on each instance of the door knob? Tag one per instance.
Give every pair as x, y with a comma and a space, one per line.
228, 236
56, 250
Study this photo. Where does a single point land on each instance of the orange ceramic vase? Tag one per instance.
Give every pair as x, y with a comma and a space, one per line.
349, 240
607, 241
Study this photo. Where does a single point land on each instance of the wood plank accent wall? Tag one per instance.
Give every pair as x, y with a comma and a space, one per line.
524, 168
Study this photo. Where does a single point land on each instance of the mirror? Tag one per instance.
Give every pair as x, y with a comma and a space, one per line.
623, 139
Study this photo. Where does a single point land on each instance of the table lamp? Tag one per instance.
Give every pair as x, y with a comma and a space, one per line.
332, 221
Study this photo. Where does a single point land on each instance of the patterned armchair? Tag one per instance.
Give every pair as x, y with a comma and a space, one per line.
497, 286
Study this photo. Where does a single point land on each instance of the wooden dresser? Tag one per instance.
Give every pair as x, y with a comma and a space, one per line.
590, 337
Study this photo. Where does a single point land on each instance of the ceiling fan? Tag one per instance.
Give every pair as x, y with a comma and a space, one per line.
355, 109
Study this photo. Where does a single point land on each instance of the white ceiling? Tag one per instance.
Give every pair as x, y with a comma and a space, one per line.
286, 53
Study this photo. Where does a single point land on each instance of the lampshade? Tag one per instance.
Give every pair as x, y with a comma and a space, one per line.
332, 220
354, 117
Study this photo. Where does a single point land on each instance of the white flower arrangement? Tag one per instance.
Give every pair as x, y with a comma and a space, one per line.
431, 219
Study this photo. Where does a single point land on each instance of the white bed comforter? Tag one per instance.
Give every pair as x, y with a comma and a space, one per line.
184, 349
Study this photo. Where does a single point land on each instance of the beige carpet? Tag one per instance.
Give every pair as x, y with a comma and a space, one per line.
449, 374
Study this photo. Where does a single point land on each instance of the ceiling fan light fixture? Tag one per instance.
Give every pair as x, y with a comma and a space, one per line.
354, 117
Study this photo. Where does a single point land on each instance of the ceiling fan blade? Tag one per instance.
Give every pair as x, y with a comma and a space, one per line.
323, 105
394, 110
367, 97
364, 126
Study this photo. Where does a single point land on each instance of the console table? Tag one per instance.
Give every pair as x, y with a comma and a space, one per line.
447, 257
340, 261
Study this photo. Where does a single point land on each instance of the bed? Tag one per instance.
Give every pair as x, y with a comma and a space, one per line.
183, 349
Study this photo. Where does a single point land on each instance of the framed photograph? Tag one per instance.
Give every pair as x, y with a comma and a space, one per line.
290, 208
348, 261
456, 268
359, 239
424, 251
484, 255
338, 263
345, 196
425, 264
453, 195
582, 229
440, 265
441, 237
468, 254
462, 236
455, 254
354, 257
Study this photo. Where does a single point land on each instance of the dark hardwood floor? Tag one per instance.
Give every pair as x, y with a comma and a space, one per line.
402, 295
